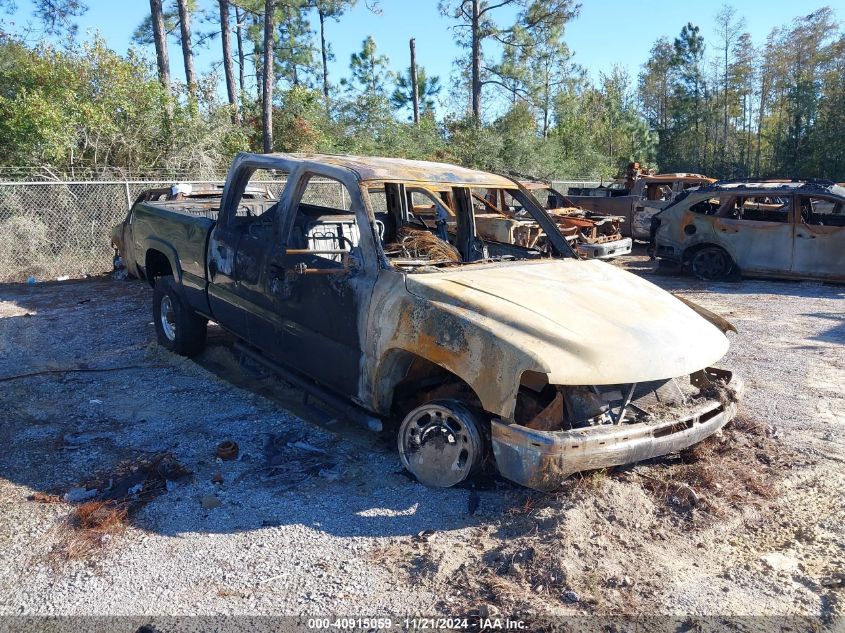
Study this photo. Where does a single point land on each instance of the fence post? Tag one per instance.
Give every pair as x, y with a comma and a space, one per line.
128, 198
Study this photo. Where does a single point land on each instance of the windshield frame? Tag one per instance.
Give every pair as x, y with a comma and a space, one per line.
458, 200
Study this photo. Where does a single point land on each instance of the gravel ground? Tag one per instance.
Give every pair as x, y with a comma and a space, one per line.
344, 531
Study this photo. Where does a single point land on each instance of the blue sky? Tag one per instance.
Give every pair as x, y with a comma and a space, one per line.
605, 33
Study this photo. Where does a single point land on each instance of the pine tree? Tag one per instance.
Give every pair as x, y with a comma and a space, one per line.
368, 70
428, 87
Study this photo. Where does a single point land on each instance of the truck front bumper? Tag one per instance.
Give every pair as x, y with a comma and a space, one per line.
543, 459
605, 250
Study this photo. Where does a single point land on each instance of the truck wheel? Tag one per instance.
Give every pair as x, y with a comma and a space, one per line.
178, 328
711, 263
442, 443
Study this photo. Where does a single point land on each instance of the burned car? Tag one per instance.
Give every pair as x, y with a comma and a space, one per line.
483, 352
502, 218
596, 235
637, 197
772, 228
199, 191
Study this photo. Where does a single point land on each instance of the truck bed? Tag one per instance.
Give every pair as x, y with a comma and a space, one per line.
194, 208
173, 227
210, 208
182, 227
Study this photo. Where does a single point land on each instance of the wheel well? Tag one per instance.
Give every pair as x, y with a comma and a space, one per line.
409, 380
156, 265
692, 250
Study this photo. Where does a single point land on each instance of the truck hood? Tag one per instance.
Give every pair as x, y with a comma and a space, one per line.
583, 322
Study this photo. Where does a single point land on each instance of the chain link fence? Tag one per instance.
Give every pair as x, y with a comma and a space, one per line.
564, 185
52, 229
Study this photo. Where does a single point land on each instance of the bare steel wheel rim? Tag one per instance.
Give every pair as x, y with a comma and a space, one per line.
441, 444
168, 318
709, 264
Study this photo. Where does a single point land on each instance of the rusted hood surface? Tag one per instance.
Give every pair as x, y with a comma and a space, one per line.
583, 322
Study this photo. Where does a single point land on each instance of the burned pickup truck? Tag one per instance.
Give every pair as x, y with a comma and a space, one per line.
483, 353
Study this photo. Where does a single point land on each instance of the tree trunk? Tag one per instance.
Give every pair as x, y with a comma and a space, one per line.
267, 119
187, 52
547, 98
160, 38
258, 55
476, 61
749, 123
725, 122
415, 88
698, 156
325, 55
225, 39
760, 116
240, 38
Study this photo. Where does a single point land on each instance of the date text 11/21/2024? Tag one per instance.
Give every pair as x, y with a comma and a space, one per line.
416, 624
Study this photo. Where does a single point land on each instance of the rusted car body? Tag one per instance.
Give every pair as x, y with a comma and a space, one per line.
596, 235
638, 199
489, 352
772, 228
501, 218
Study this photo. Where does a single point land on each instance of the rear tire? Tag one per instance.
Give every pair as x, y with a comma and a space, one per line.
178, 328
711, 263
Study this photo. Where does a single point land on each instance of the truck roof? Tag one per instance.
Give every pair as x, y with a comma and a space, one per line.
384, 169
532, 185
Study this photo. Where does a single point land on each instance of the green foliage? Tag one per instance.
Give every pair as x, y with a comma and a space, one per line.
368, 70
775, 111
95, 108
143, 33
726, 109
520, 150
473, 144
296, 54
578, 135
300, 124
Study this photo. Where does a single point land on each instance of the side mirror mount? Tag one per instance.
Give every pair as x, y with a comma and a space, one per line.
352, 261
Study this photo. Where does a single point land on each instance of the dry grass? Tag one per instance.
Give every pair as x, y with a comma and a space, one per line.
712, 480
24, 248
89, 526
524, 506
420, 244
121, 493
550, 549
719, 474
44, 497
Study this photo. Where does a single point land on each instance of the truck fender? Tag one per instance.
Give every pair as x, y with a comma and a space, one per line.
393, 370
153, 243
